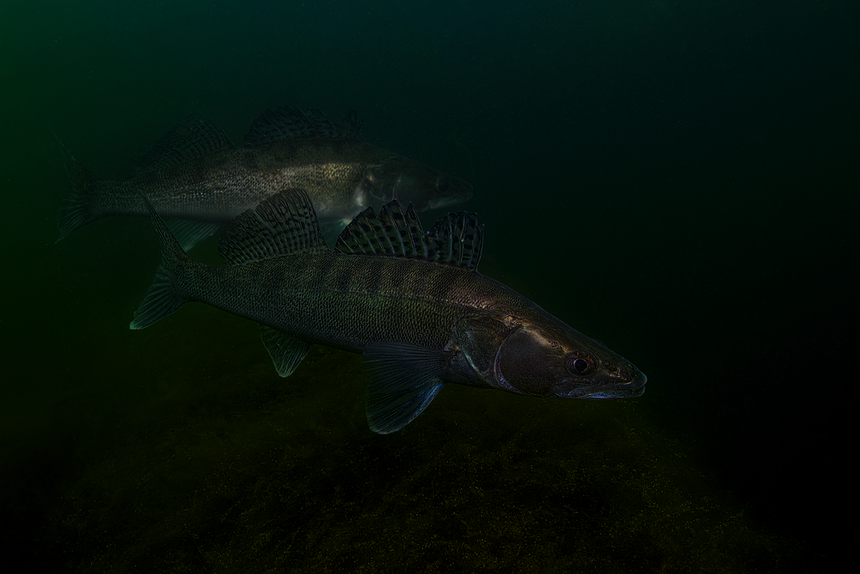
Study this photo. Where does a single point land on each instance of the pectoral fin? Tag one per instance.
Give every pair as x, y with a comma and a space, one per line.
190, 233
404, 379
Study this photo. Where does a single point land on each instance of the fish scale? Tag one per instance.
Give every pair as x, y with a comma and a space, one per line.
421, 317
195, 174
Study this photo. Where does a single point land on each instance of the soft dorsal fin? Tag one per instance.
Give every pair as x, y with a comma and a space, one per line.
456, 239
286, 123
284, 223
193, 138
350, 125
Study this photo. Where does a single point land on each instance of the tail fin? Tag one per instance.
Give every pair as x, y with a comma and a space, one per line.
162, 297
74, 210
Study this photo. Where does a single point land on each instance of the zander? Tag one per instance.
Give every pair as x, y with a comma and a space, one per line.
195, 174
412, 303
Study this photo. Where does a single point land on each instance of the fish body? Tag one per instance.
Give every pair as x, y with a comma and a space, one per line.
412, 303
195, 174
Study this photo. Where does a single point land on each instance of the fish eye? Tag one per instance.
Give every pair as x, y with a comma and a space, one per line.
580, 363
443, 185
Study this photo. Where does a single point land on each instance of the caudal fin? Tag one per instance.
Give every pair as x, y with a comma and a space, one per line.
74, 209
163, 296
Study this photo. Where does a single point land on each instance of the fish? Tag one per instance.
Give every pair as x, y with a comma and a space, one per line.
196, 175
412, 303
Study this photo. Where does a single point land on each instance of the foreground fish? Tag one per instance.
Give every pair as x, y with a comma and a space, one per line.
413, 304
196, 175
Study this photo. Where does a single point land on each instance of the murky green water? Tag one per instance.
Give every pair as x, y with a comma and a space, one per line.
677, 182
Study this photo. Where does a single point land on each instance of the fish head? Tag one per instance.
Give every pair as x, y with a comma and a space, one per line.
411, 182
542, 356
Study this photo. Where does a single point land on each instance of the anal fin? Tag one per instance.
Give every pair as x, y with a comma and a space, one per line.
286, 350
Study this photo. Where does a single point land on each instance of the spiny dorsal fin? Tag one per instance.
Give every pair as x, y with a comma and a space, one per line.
285, 123
284, 223
391, 232
456, 239
193, 138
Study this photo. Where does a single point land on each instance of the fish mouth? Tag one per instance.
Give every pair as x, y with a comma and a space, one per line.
634, 388
448, 201
461, 195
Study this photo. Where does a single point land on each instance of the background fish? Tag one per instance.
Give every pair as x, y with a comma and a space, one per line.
196, 174
413, 304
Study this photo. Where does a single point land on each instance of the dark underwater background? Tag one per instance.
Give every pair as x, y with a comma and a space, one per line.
676, 179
